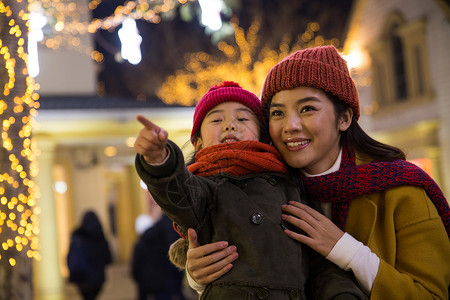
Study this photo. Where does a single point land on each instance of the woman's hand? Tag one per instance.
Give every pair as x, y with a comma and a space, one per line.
208, 262
322, 233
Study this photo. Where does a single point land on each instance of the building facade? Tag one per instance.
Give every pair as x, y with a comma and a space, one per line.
398, 54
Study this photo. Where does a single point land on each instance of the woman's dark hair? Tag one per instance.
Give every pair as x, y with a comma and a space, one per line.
357, 139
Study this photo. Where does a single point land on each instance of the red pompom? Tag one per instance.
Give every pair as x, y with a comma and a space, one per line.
225, 84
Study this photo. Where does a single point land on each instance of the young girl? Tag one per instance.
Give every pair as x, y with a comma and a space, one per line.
237, 196
395, 217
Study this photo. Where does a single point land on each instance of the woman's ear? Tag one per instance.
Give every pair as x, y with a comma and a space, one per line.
345, 119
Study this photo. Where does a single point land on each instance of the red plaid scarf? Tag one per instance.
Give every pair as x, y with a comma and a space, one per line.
237, 158
352, 181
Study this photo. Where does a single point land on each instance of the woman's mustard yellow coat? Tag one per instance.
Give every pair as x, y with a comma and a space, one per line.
401, 225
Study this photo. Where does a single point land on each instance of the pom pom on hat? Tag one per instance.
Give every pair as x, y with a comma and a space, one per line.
321, 68
227, 91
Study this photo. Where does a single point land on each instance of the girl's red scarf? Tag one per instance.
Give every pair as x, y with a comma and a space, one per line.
237, 158
352, 181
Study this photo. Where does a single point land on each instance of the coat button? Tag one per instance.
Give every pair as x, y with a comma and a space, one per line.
242, 184
272, 181
262, 293
294, 295
257, 218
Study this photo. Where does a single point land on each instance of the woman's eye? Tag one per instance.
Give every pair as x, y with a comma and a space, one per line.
275, 113
306, 109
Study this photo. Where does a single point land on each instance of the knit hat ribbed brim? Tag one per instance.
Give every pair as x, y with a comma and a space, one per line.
227, 91
321, 68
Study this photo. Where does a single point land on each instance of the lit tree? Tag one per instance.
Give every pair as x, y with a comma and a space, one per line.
18, 220
246, 62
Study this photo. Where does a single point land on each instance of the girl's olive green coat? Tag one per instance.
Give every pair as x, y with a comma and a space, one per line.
246, 212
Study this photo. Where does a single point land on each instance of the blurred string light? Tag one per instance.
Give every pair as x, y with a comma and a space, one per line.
211, 13
241, 61
18, 104
35, 35
131, 41
68, 20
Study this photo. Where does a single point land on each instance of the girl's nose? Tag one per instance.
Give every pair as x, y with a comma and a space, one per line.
230, 126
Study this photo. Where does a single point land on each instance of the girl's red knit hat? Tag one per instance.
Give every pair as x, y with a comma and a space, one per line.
321, 68
227, 91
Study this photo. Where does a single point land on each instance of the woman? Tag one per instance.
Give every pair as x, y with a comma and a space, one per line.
394, 216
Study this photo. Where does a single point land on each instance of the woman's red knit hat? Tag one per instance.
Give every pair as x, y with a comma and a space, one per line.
321, 68
227, 91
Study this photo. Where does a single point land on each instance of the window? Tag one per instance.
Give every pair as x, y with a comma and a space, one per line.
399, 63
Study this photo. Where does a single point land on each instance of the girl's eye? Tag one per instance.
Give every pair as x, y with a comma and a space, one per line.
216, 121
242, 119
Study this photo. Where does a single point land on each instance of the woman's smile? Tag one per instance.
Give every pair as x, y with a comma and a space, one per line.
295, 144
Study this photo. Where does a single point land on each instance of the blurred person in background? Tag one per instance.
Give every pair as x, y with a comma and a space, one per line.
157, 278
88, 256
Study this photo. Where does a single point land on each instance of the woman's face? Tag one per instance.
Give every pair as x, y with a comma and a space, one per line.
228, 122
304, 128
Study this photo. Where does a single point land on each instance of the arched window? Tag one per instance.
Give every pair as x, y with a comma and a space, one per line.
400, 67
398, 64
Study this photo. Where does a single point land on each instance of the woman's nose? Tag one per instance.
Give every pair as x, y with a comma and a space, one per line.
293, 123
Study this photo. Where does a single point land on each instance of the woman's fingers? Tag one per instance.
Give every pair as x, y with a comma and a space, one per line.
322, 233
202, 257
208, 262
205, 250
300, 207
209, 268
193, 239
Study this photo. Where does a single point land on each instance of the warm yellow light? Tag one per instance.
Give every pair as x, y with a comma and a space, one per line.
14, 63
130, 141
59, 26
354, 59
12, 262
110, 151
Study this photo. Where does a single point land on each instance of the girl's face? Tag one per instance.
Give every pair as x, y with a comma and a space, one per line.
228, 122
303, 126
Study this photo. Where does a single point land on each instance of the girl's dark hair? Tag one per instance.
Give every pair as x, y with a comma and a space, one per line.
357, 139
191, 158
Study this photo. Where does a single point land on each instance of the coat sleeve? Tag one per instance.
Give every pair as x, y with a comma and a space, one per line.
418, 264
183, 197
328, 281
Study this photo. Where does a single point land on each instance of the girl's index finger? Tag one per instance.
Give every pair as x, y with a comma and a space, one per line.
147, 123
